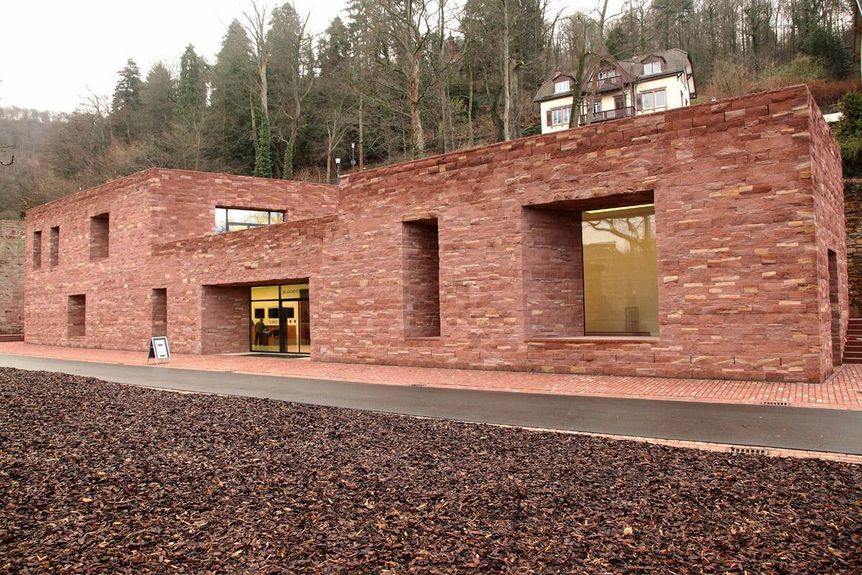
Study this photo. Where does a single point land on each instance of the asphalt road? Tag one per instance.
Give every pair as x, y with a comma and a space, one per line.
813, 429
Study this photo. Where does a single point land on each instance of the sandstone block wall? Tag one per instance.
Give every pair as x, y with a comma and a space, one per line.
145, 210
853, 214
746, 214
11, 277
740, 280
827, 182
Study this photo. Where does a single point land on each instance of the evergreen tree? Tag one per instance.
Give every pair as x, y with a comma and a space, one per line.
191, 109
334, 48
232, 118
159, 100
849, 133
291, 69
126, 103
192, 92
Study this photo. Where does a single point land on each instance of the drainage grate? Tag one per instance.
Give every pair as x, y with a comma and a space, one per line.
775, 403
749, 450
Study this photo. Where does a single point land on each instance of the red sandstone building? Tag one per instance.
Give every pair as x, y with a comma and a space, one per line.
705, 241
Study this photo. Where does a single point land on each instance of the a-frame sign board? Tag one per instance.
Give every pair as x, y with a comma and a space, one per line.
159, 350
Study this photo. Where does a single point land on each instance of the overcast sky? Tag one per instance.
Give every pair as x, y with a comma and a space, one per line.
55, 53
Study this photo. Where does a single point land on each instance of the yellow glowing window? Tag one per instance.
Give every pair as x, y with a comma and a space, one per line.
620, 271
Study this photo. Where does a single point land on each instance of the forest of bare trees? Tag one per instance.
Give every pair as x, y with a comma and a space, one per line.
395, 79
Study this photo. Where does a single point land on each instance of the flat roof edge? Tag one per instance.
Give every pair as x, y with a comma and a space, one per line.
476, 151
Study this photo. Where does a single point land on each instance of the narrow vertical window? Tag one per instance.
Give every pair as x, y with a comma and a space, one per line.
54, 252
99, 236
421, 278
159, 299
37, 250
76, 316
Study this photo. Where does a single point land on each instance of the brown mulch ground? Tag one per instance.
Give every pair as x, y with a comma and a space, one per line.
103, 478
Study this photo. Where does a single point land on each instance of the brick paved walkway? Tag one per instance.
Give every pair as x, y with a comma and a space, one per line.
842, 391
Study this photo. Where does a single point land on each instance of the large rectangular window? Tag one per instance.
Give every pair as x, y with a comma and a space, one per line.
54, 253
99, 236
421, 278
76, 316
620, 271
232, 219
37, 250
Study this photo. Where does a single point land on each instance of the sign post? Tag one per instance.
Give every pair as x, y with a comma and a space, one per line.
159, 349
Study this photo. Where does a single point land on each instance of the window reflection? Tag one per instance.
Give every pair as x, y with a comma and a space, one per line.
620, 271
232, 219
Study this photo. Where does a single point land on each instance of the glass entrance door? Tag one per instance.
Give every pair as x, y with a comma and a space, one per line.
290, 318
280, 319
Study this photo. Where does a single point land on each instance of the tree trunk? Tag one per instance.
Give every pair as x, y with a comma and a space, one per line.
470, 105
329, 160
495, 113
507, 97
415, 120
594, 81
361, 146
444, 97
253, 121
264, 98
857, 33
577, 89
289, 149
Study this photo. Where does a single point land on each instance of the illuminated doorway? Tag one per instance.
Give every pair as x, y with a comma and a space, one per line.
280, 319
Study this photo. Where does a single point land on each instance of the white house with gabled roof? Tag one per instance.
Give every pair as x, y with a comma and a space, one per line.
642, 84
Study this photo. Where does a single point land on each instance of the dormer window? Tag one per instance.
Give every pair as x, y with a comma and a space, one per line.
608, 74
652, 68
561, 86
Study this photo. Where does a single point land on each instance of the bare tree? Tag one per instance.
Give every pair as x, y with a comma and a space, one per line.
408, 26
256, 27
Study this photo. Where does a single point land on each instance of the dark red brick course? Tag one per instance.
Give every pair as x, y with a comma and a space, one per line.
748, 200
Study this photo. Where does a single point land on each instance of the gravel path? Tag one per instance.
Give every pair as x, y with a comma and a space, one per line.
102, 478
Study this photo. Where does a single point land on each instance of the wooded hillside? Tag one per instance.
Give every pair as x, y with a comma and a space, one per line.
399, 79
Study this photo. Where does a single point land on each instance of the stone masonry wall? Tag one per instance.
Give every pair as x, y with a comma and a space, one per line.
144, 209
853, 212
11, 277
828, 188
735, 221
744, 193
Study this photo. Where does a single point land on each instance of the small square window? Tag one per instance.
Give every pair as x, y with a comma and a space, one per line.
560, 116
649, 101
562, 86
652, 68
